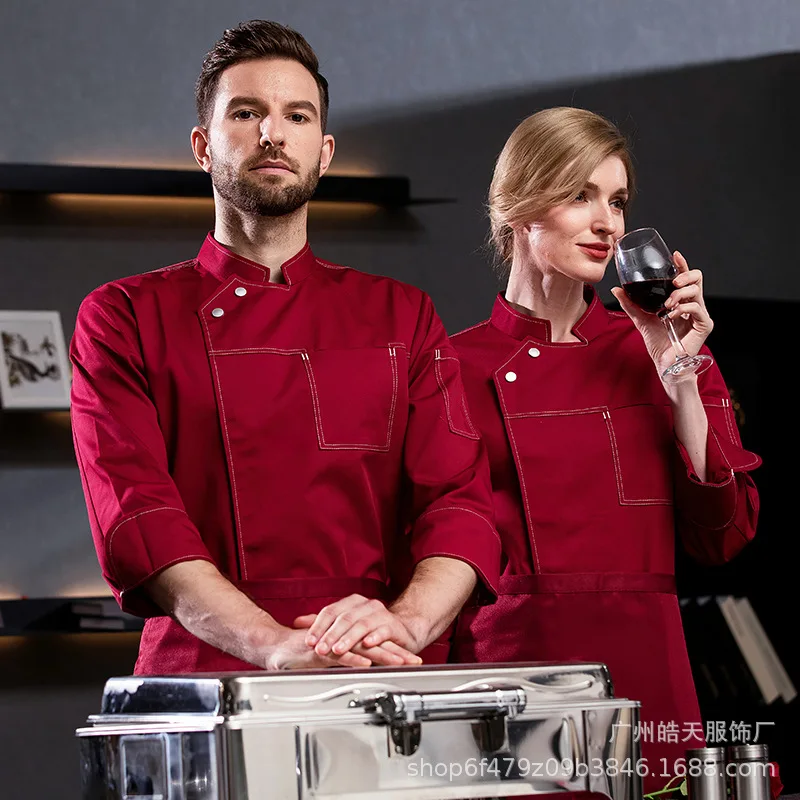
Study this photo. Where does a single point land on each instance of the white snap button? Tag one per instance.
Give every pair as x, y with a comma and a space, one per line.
217, 312
240, 291
511, 376
534, 352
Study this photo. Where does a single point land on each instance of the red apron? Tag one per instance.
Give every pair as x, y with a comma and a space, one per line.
630, 622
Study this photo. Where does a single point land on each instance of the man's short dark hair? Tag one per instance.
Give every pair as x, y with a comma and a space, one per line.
257, 38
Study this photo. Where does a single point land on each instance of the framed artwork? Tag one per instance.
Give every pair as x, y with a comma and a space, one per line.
34, 367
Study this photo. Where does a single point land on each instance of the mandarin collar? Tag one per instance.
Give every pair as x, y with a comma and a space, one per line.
224, 263
522, 326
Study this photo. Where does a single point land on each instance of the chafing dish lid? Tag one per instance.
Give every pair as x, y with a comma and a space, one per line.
232, 694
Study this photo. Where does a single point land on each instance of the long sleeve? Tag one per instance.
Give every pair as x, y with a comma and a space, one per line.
716, 518
138, 520
446, 466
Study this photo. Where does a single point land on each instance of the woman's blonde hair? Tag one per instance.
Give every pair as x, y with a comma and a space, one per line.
546, 161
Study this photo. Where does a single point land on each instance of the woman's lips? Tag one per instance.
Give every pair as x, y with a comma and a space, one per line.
599, 252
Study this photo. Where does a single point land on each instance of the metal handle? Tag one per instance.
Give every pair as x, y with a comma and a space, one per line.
403, 712
407, 707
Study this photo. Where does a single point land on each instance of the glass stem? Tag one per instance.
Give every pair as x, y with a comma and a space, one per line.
680, 351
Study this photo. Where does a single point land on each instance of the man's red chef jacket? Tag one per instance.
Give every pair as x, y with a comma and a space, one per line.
590, 487
305, 437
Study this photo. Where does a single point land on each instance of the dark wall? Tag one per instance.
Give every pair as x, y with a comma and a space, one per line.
766, 570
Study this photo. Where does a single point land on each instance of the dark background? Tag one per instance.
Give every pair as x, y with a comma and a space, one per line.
706, 92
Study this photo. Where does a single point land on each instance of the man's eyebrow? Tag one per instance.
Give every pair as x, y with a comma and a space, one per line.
243, 100
305, 105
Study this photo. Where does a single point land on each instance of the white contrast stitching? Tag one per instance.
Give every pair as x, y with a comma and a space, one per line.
231, 254
461, 508
182, 265
727, 413
611, 434
240, 350
292, 261
647, 501
604, 410
740, 466
720, 485
377, 448
525, 317
472, 328
211, 300
520, 475
138, 514
467, 417
470, 433
229, 449
403, 345
553, 345
567, 413
266, 283
395, 382
547, 342
328, 265
614, 455
314, 400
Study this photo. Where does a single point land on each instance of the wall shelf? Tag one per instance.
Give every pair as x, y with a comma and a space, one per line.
25, 616
386, 191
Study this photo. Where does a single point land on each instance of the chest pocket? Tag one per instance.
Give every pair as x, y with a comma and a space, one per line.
607, 458
641, 442
358, 395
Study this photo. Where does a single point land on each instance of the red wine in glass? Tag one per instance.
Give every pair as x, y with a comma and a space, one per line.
646, 271
650, 295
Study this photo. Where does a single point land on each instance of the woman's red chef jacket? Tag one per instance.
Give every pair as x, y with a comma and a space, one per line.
291, 434
590, 486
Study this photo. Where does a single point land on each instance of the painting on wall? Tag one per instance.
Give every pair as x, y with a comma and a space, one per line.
34, 367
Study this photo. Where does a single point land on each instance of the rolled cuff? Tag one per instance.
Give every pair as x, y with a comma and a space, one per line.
712, 503
463, 534
142, 545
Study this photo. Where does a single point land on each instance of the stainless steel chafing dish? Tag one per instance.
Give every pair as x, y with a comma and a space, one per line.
463, 731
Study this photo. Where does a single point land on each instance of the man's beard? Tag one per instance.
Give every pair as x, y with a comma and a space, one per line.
257, 194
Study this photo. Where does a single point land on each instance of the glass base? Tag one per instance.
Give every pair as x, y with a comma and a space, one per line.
687, 365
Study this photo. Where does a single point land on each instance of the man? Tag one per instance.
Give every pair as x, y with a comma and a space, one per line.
272, 447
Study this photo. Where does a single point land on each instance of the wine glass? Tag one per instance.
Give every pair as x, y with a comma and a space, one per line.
646, 270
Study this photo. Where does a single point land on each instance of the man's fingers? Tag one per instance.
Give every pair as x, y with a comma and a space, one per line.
330, 614
407, 655
357, 625
352, 626
381, 634
354, 660
320, 624
346, 641
380, 656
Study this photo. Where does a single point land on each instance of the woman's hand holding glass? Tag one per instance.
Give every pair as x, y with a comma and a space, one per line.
676, 332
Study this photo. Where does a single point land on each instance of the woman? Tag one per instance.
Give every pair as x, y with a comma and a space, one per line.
595, 462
